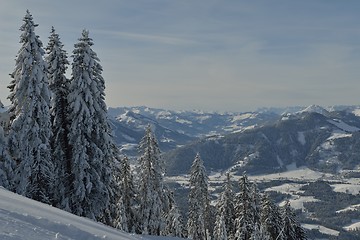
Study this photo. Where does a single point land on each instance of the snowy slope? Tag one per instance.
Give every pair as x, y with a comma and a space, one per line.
22, 218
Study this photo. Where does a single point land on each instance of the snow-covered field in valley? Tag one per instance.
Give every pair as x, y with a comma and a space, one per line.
23, 218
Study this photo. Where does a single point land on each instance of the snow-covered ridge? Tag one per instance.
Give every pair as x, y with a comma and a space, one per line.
315, 109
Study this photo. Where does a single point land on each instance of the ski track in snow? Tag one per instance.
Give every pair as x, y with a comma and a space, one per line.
23, 218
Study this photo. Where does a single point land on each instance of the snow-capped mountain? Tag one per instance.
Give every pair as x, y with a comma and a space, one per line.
262, 141
306, 138
177, 128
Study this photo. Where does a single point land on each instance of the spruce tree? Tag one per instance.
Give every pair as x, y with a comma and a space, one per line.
7, 165
260, 233
128, 194
225, 207
244, 223
270, 218
255, 203
220, 232
93, 151
199, 203
59, 85
115, 215
291, 227
174, 223
151, 190
30, 126
121, 222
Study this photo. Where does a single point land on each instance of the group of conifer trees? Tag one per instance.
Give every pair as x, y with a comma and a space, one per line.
247, 215
58, 149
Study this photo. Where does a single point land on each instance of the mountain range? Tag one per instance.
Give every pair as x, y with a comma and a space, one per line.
263, 141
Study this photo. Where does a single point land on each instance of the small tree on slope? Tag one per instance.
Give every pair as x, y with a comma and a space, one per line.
93, 150
56, 66
30, 126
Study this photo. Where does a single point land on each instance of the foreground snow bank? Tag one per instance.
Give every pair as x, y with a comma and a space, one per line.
23, 218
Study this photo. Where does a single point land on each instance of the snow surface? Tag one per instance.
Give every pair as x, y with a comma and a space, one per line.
355, 207
241, 117
321, 229
356, 112
301, 138
354, 226
347, 188
23, 218
293, 173
314, 109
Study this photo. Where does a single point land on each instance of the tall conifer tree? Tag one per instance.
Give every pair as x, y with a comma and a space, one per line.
225, 207
7, 165
174, 222
30, 126
270, 218
151, 189
199, 203
93, 150
244, 222
57, 64
220, 232
129, 194
260, 233
291, 227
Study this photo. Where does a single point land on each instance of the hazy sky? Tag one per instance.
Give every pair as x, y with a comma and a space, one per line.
205, 54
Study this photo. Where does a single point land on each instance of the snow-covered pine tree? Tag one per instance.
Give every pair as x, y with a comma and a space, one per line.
270, 218
121, 222
30, 125
244, 223
255, 203
291, 227
225, 207
93, 150
174, 223
7, 165
115, 215
57, 64
199, 203
220, 228
128, 194
260, 233
151, 188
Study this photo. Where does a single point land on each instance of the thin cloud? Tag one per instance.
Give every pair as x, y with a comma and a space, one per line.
170, 40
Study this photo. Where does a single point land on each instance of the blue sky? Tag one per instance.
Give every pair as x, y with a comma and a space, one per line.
205, 54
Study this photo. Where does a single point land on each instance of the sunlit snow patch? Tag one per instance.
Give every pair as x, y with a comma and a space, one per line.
322, 229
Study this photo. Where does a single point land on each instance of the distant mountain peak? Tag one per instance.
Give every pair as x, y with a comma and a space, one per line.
315, 109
